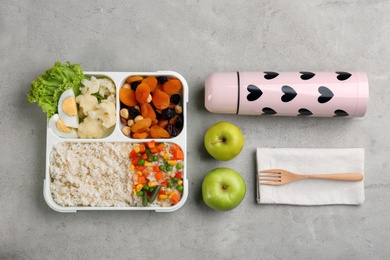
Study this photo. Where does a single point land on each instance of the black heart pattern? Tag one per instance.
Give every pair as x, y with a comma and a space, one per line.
270, 75
289, 93
307, 75
254, 93
304, 112
341, 75
340, 113
326, 94
267, 111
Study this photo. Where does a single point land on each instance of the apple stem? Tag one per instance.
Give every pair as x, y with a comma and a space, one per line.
219, 140
224, 187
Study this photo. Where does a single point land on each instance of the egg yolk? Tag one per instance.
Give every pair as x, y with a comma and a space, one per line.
63, 128
69, 106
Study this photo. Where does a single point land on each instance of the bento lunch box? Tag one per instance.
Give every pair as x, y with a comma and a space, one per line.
117, 136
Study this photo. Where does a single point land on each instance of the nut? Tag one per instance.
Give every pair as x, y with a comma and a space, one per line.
126, 130
178, 109
130, 122
124, 113
138, 118
126, 85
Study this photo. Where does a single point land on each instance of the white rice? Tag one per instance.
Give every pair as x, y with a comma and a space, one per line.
91, 174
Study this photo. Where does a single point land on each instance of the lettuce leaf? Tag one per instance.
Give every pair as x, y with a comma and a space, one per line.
48, 87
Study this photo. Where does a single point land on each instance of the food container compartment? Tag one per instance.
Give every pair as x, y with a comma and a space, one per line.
92, 114
160, 110
117, 137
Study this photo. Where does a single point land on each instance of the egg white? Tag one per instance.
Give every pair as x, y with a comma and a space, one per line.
68, 120
53, 126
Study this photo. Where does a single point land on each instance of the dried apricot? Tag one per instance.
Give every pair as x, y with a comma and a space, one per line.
160, 100
163, 123
127, 97
157, 131
147, 111
151, 81
134, 79
172, 86
142, 135
141, 125
142, 93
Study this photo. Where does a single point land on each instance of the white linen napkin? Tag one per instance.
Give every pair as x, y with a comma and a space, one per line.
312, 161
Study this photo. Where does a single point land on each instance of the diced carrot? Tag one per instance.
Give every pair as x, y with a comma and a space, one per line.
144, 156
142, 148
139, 167
175, 198
151, 144
153, 150
156, 168
179, 175
178, 154
158, 176
161, 147
161, 192
141, 180
164, 184
174, 147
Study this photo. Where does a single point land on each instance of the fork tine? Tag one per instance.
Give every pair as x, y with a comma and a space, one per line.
274, 183
271, 171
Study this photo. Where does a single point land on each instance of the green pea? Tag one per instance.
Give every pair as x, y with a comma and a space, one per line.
146, 187
179, 166
165, 161
175, 179
140, 193
141, 162
162, 167
151, 189
180, 188
169, 168
170, 184
155, 158
139, 155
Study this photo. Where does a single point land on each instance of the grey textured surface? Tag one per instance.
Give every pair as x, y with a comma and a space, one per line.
196, 38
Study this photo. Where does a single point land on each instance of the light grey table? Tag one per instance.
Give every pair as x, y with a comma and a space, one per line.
196, 38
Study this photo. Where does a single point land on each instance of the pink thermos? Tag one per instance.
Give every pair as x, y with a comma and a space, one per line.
308, 94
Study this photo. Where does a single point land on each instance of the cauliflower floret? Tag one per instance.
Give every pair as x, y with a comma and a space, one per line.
90, 86
86, 103
105, 112
91, 128
107, 87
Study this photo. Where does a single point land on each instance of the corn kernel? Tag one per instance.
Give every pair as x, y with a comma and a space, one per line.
162, 196
139, 173
152, 184
132, 167
147, 164
171, 195
166, 155
136, 149
179, 182
172, 162
134, 192
139, 187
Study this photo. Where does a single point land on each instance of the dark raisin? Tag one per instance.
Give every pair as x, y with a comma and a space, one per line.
172, 130
168, 113
162, 79
179, 122
134, 85
175, 99
134, 112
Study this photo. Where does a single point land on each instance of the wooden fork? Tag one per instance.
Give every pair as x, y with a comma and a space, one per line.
280, 177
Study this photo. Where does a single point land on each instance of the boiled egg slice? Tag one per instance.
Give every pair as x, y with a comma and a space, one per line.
67, 109
60, 129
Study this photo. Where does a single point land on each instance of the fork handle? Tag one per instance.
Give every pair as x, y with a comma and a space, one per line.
336, 177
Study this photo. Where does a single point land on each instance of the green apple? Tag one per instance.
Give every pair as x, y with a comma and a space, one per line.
223, 189
224, 141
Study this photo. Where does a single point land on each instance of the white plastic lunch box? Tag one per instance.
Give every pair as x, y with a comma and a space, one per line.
119, 78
